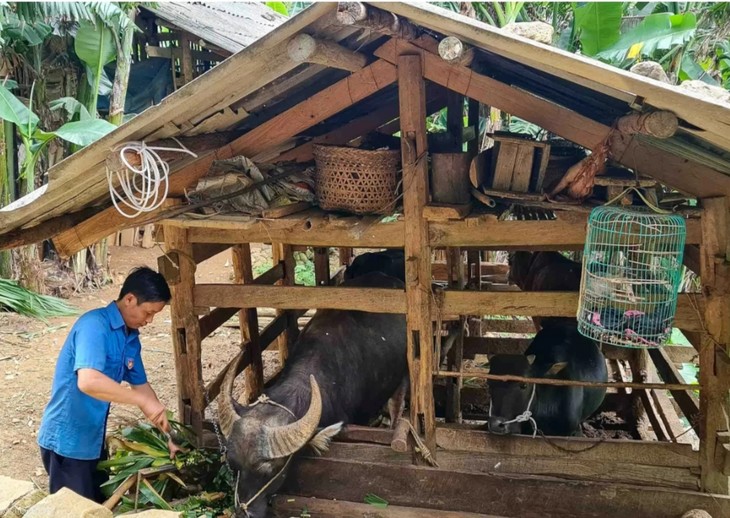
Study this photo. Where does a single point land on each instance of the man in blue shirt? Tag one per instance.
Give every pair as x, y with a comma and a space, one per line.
100, 352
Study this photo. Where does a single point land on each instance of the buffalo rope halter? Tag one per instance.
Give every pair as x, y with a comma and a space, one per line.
262, 399
524, 416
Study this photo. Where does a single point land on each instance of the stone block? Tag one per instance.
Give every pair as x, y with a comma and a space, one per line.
12, 490
67, 504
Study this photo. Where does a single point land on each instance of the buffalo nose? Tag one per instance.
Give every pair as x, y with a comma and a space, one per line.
497, 425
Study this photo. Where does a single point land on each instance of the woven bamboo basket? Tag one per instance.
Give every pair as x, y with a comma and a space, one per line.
356, 180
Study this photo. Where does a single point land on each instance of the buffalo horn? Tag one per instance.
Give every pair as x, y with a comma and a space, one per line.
288, 439
227, 414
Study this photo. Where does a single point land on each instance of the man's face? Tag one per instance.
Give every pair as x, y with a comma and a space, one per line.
138, 315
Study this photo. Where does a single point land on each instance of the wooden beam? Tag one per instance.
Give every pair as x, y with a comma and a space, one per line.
488, 232
414, 148
451, 437
311, 228
659, 124
455, 52
377, 300
715, 276
556, 303
59, 224
303, 48
186, 60
203, 252
666, 167
620, 470
507, 495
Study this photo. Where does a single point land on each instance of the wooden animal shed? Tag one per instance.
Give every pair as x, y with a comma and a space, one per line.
377, 66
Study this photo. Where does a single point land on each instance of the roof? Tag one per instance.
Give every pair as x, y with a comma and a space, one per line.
250, 100
231, 26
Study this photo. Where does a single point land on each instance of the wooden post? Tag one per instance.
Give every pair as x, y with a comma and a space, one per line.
457, 280
186, 331
345, 256
322, 266
473, 114
455, 119
249, 323
186, 61
285, 253
412, 105
715, 275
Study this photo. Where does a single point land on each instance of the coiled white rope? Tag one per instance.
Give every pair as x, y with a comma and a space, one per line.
144, 187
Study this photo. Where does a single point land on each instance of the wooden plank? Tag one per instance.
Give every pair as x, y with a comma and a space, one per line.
574, 467
687, 401
412, 108
504, 166
523, 168
489, 233
186, 59
286, 506
644, 453
512, 495
439, 270
286, 210
671, 169
322, 266
715, 275
185, 332
311, 228
249, 323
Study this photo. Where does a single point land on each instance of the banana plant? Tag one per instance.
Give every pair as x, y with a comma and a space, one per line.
81, 133
597, 25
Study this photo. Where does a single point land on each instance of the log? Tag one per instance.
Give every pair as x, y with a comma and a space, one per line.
453, 50
357, 14
659, 124
303, 48
399, 442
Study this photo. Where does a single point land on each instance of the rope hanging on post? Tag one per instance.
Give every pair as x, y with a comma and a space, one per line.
142, 176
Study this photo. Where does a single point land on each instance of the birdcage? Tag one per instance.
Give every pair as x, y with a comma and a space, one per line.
632, 267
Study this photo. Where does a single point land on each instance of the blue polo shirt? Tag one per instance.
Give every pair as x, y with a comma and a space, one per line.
74, 423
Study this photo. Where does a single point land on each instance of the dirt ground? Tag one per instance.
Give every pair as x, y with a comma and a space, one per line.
29, 349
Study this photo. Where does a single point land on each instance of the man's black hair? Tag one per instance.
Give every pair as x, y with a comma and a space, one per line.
147, 285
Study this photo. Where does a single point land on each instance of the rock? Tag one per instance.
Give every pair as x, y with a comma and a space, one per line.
697, 513
20, 507
158, 513
12, 490
650, 69
537, 31
67, 504
704, 91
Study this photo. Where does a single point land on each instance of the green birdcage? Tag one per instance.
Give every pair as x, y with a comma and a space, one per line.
632, 268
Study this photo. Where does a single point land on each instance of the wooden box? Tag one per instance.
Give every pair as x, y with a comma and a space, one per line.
518, 164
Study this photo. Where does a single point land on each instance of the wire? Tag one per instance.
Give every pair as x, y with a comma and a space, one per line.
141, 184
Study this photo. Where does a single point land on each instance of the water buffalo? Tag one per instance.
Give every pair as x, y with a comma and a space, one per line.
560, 352
390, 262
343, 368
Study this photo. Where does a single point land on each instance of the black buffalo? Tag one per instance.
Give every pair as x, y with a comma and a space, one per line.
343, 368
560, 352
390, 262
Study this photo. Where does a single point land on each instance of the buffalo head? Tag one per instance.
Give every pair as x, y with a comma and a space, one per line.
260, 440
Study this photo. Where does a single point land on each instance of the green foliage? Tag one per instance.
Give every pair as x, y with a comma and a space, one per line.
95, 47
143, 446
656, 32
722, 53
25, 302
597, 25
279, 7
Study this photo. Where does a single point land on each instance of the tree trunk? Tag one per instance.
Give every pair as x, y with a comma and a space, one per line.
7, 187
121, 77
